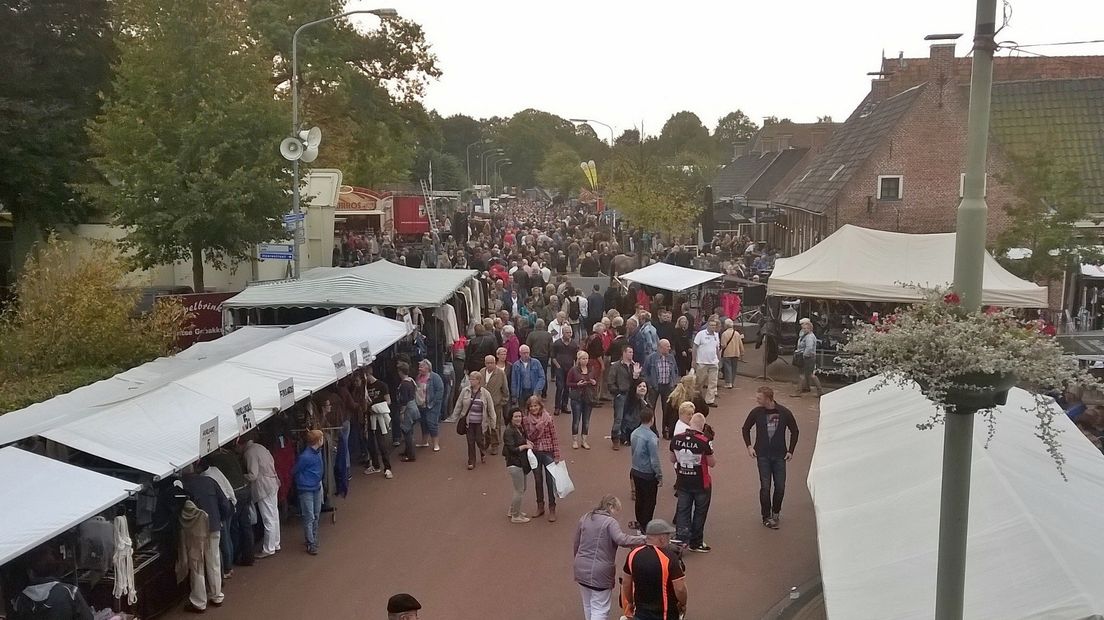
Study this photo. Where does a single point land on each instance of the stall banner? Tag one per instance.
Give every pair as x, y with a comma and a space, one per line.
287, 393
244, 412
206, 321
340, 365
366, 352
353, 363
208, 437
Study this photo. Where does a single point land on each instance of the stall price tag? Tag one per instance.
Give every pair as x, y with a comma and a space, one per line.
287, 393
244, 412
353, 363
208, 437
366, 352
340, 366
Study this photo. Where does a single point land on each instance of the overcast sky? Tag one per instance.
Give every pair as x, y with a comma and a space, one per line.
627, 63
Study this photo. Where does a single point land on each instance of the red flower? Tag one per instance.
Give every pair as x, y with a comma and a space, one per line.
992, 310
951, 299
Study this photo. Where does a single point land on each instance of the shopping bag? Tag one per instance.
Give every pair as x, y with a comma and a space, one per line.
564, 486
532, 460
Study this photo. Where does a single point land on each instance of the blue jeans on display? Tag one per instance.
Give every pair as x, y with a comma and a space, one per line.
226, 546
619, 401
580, 412
241, 531
690, 514
771, 469
310, 507
346, 433
561, 389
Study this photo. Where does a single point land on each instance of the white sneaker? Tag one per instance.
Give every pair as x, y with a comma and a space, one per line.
387, 474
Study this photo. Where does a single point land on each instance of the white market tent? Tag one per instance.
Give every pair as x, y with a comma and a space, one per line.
875, 482
42, 497
84, 401
381, 283
157, 431
670, 277
861, 264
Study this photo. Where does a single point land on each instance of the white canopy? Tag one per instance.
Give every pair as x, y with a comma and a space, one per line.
84, 401
670, 277
43, 497
381, 283
157, 431
875, 482
874, 265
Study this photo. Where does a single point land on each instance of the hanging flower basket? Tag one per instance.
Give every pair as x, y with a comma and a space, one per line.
976, 391
966, 362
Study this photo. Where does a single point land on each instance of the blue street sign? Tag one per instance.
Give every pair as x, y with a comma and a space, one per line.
277, 251
290, 218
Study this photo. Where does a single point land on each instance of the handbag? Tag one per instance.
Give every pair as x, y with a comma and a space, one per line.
462, 423
798, 359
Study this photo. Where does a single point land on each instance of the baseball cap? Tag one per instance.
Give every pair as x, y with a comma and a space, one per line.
403, 602
657, 527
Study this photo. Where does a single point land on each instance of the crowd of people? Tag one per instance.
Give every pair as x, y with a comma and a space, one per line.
644, 354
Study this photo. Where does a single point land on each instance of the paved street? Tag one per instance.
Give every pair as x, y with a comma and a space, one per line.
439, 532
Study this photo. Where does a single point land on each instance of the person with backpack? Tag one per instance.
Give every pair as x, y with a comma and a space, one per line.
575, 306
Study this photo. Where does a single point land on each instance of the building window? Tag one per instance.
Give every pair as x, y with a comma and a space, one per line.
962, 185
891, 187
769, 145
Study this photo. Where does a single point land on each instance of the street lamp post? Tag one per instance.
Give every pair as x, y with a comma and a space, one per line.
295, 198
591, 120
483, 163
958, 431
494, 161
467, 157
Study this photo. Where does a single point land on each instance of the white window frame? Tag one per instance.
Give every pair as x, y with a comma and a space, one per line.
900, 186
962, 185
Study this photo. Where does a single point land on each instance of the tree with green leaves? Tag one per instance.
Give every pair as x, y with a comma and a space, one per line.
188, 137
629, 137
526, 137
732, 128
560, 171
55, 63
1044, 216
685, 133
654, 195
448, 173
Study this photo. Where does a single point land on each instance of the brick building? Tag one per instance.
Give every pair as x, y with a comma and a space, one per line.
897, 162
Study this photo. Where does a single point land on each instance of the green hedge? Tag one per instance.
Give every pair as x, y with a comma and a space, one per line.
24, 391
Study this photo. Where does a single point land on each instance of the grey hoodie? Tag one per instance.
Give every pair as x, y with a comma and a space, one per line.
50, 600
596, 541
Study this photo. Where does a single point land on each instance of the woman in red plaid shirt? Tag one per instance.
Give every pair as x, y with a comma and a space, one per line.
540, 430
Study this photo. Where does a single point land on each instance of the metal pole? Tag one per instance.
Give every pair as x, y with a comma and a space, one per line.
958, 430
295, 198
467, 159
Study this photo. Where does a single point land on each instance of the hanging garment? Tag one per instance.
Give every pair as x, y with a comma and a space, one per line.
341, 467
123, 561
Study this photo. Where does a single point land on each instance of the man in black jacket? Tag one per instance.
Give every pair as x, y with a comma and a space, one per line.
47, 597
770, 451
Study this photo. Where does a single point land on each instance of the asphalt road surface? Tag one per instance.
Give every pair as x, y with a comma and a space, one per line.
440, 532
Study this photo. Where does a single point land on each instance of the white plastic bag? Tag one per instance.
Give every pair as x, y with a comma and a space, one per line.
564, 486
532, 459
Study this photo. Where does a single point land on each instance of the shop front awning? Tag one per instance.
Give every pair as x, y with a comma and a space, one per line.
670, 277
43, 498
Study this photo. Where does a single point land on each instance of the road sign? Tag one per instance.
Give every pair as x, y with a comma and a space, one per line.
208, 437
287, 393
244, 412
290, 218
278, 251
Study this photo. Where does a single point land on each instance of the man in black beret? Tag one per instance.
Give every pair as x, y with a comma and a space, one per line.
403, 607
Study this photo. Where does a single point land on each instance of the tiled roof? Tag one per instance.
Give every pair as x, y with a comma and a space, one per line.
1065, 117
851, 145
763, 187
739, 174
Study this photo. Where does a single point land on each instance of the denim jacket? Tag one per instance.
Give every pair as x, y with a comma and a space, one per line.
517, 377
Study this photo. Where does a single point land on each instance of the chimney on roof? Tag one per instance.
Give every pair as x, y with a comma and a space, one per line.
879, 89
739, 149
941, 66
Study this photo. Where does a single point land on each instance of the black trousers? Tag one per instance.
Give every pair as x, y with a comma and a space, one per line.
241, 532
647, 488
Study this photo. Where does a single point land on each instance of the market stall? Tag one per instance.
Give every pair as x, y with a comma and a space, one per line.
867, 265
875, 483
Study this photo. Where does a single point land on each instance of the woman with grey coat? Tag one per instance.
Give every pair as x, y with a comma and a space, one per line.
596, 541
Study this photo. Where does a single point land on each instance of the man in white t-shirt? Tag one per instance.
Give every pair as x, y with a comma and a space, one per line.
707, 360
